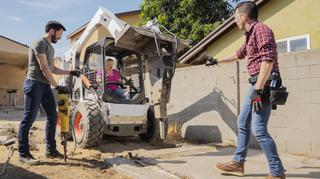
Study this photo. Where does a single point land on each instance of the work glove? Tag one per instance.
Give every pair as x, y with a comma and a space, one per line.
257, 100
210, 60
62, 89
76, 73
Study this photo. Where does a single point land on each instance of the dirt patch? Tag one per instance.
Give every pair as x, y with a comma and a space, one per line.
86, 163
174, 138
83, 164
9, 132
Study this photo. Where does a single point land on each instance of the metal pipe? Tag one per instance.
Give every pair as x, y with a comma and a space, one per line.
238, 88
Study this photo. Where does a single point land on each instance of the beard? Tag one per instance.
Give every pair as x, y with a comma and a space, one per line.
241, 27
54, 38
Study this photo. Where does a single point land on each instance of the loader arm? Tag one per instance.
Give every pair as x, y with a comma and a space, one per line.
103, 17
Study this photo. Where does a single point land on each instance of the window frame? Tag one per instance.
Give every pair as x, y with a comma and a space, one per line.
288, 40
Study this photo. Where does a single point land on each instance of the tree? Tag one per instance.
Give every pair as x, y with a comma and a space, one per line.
188, 19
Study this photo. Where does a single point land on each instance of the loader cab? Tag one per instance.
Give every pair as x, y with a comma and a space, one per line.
127, 62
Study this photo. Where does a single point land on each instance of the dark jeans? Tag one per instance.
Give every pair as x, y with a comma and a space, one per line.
36, 93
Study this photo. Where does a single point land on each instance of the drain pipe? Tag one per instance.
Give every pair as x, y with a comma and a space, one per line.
238, 88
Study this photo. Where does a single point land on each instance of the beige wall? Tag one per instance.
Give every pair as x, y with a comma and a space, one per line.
13, 53
11, 77
131, 18
91, 40
13, 64
203, 104
287, 18
12, 47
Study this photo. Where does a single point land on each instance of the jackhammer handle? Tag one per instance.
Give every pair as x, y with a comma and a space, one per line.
86, 81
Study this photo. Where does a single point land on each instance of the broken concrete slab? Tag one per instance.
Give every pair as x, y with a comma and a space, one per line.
198, 161
139, 170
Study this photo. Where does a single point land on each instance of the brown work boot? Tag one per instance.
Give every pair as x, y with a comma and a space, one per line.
231, 168
276, 177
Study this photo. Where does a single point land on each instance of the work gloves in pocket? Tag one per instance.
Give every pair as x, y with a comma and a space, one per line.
257, 100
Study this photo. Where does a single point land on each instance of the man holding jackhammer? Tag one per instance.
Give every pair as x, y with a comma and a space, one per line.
262, 63
37, 91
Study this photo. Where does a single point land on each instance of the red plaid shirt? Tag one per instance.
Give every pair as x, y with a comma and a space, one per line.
259, 46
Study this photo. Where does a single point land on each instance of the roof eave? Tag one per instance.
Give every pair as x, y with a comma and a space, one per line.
14, 41
201, 46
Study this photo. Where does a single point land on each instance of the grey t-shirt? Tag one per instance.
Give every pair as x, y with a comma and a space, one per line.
40, 46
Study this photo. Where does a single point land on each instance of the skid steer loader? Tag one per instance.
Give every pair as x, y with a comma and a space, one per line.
146, 60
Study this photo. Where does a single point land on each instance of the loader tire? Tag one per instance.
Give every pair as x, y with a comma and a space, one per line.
153, 129
88, 125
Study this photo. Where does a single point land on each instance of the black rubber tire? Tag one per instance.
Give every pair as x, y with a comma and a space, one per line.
153, 129
93, 125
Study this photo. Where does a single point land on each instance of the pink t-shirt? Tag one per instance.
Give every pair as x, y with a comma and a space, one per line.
112, 77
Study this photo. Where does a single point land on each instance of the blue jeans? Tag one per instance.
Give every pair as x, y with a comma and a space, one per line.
36, 93
120, 93
259, 124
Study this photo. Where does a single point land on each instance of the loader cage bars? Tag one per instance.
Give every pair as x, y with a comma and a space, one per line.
128, 62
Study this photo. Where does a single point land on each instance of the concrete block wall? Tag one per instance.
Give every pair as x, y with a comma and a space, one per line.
297, 124
203, 104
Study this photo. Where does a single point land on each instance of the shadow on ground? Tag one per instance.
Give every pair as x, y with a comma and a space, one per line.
15, 172
123, 144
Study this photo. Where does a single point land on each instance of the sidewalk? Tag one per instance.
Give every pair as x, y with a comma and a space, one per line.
198, 162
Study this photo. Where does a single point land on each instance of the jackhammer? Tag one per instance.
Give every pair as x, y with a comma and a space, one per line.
63, 112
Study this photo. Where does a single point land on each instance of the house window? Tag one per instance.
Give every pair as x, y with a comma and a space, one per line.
282, 46
293, 44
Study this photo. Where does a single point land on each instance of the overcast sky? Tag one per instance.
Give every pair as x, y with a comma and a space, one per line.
24, 20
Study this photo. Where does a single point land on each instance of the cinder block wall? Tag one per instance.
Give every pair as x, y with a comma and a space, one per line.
203, 105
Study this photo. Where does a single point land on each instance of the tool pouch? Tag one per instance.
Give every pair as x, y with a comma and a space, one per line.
275, 92
278, 96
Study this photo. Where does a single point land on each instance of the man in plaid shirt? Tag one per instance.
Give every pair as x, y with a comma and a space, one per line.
261, 51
